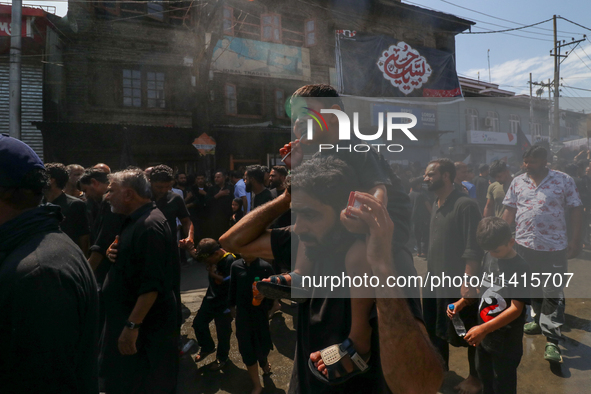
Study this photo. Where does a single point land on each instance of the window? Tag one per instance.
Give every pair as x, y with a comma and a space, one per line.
229, 21
231, 108
568, 131
271, 27
144, 89
471, 119
492, 121
514, 123
155, 10
111, 7
246, 101
310, 32
155, 90
132, 88
280, 103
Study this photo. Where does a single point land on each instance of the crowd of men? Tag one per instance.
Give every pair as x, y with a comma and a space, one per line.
90, 266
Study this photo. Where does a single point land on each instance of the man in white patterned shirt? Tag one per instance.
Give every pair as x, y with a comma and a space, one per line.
537, 201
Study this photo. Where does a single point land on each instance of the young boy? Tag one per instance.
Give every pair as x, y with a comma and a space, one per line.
252, 322
499, 335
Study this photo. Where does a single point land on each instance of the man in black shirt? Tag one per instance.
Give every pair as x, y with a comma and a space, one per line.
277, 180
255, 183
453, 249
48, 296
105, 226
219, 203
139, 352
322, 321
196, 206
75, 223
172, 207
215, 304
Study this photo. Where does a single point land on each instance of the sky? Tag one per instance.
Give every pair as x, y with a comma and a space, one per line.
513, 55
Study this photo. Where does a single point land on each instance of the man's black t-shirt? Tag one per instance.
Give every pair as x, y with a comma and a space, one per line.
281, 246
262, 198
323, 322
216, 297
420, 214
105, 227
75, 223
497, 298
172, 206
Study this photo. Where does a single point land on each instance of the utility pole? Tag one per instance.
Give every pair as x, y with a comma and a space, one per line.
556, 128
14, 105
531, 109
557, 61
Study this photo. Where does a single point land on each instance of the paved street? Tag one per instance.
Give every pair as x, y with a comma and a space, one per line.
534, 374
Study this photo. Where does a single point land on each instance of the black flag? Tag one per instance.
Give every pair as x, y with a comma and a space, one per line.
522, 141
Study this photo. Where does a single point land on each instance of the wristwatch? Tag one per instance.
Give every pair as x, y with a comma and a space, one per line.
131, 325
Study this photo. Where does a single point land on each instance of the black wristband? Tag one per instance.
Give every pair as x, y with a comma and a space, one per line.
132, 325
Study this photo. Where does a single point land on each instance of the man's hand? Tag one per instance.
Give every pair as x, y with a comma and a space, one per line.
297, 154
573, 250
353, 225
475, 335
202, 192
222, 193
187, 244
112, 250
127, 340
378, 243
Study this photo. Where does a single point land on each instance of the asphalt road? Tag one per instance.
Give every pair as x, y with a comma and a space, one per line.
535, 375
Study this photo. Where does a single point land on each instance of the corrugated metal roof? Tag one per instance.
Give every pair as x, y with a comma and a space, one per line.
31, 104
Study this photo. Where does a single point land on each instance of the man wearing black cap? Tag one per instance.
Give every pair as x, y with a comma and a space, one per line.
215, 304
48, 296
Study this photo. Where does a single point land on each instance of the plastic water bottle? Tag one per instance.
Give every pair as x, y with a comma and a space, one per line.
458, 323
188, 347
255, 292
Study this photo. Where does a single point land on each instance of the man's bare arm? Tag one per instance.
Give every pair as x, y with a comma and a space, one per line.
509, 214
410, 364
489, 209
253, 226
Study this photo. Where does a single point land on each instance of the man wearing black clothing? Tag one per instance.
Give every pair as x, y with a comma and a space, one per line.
196, 206
398, 331
48, 296
75, 223
255, 183
172, 207
277, 180
215, 304
453, 249
139, 352
105, 226
219, 203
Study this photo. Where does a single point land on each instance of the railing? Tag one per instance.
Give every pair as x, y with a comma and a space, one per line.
47, 8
